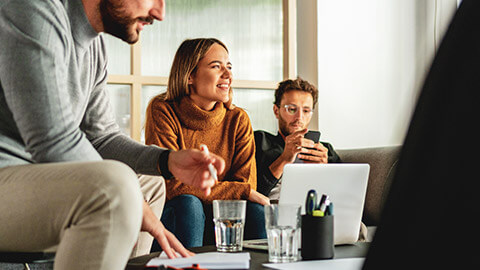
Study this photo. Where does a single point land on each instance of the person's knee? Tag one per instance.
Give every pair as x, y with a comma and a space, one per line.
189, 207
121, 181
115, 178
189, 201
255, 209
119, 185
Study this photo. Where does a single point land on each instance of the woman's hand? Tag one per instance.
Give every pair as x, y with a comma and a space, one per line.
258, 197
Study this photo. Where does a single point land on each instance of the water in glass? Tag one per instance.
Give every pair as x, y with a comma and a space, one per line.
229, 234
282, 244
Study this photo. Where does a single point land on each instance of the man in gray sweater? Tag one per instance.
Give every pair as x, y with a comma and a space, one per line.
57, 127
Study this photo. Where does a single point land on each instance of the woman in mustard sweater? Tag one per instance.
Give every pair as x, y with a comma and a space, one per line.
197, 109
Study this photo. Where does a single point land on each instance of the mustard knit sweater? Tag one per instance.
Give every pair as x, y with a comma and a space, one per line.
226, 132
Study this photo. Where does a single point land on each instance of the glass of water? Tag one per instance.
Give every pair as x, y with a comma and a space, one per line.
229, 219
283, 223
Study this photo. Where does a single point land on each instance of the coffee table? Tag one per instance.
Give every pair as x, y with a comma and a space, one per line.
258, 257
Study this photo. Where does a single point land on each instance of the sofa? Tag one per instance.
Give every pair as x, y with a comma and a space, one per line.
383, 161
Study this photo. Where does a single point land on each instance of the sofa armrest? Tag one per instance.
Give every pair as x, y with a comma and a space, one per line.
383, 161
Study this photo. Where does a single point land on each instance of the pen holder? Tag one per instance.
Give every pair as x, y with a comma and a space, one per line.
317, 237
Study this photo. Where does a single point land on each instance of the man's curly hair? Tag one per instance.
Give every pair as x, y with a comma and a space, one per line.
298, 84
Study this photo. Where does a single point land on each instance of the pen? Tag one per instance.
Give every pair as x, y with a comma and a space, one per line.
324, 205
311, 202
330, 209
212, 170
322, 201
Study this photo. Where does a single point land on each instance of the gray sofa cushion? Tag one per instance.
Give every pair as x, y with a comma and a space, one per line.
382, 162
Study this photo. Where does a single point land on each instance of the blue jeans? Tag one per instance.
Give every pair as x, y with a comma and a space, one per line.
255, 221
192, 222
184, 217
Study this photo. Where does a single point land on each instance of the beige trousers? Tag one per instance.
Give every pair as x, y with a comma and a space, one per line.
89, 212
153, 190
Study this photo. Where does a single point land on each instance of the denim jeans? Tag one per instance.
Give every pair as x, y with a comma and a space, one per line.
255, 221
184, 217
192, 222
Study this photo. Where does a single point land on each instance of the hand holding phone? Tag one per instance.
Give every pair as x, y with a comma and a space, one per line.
311, 135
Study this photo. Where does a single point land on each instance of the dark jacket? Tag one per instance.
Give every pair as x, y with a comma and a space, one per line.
268, 148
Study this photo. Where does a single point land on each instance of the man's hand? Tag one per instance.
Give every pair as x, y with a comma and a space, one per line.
319, 154
258, 197
293, 145
166, 239
296, 144
191, 167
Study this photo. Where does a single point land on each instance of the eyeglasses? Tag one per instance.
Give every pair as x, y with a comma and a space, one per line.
293, 109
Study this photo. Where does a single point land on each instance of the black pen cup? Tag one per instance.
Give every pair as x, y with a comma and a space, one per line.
317, 237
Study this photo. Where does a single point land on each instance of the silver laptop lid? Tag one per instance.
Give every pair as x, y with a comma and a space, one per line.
344, 183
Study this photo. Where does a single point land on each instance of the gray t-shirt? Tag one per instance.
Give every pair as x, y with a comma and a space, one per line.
53, 101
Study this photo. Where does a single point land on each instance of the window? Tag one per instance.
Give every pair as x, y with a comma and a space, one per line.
257, 34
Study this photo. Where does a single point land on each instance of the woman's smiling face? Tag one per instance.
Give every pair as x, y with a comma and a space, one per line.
210, 82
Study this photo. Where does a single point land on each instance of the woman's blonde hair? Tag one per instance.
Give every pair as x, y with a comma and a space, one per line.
190, 52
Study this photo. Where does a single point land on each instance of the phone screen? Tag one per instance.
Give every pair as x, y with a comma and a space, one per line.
313, 135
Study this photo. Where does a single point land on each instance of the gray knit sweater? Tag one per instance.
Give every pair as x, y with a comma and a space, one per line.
53, 102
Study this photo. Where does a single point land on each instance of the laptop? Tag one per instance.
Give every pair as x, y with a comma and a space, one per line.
344, 183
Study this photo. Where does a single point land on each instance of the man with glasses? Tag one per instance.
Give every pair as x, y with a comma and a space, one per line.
294, 103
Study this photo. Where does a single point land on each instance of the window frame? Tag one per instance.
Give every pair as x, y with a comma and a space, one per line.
136, 80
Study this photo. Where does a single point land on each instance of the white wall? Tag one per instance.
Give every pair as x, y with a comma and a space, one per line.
372, 59
307, 47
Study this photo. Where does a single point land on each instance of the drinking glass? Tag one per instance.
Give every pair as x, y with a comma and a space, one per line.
229, 219
283, 223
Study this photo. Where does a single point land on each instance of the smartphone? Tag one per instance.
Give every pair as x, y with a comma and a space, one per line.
311, 135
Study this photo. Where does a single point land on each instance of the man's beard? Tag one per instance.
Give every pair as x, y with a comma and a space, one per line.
283, 126
117, 23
